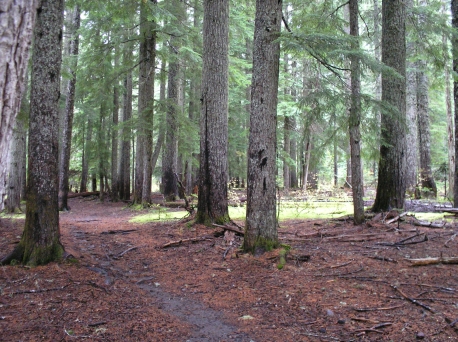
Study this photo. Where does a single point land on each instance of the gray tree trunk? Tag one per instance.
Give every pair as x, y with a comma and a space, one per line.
17, 19
411, 114
169, 164
40, 241
261, 220
391, 185
454, 7
65, 149
428, 185
355, 121
114, 142
124, 166
212, 205
17, 164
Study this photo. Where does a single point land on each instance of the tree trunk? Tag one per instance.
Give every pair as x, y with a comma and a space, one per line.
454, 7
40, 242
212, 205
428, 185
124, 167
355, 121
17, 18
85, 158
65, 149
17, 164
114, 142
391, 185
169, 165
450, 128
261, 220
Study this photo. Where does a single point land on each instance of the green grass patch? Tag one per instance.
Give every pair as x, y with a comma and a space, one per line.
159, 214
14, 216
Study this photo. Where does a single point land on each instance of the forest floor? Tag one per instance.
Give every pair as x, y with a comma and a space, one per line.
341, 282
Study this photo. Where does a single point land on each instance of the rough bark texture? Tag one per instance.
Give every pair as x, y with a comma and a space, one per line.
85, 157
428, 185
17, 165
213, 173
448, 101
261, 220
114, 143
355, 121
124, 166
147, 55
391, 185
411, 115
17, 18
40, 242
169, 165
65, 149
454, 6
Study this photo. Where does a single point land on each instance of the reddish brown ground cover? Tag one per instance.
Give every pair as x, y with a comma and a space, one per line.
124, 286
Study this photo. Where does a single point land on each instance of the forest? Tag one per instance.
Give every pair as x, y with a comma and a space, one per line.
231, 119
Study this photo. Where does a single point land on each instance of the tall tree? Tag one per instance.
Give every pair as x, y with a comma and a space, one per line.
17, 18
261, 220
65, 149
40, 241
391, 185
355, 120
213, 173
124, 158
454, 6
147, 55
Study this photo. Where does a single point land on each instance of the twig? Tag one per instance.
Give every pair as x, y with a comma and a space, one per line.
96, 324
382, 259
127, 250
451, 239
414, 301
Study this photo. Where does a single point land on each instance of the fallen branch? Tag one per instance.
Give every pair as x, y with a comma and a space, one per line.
378, 309
428, 224
383, 259
396, 218
414, 301
374, 328
433, 261
84, 194
235, 230
96, 324
39, 291
127, 250
119, 231
451, 239
179, 242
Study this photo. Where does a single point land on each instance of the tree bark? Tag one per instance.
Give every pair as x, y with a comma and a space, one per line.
17, 18
261, 220
428, 185
391, 185
169, 165
355, 121
65, 149
114, 142
212, 205
124, 167
40, 241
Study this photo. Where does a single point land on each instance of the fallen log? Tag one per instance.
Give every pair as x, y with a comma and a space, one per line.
433, 261
84, 194
232, 229
396, 218
179, 242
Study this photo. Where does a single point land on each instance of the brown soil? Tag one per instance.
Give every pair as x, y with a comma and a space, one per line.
124, 286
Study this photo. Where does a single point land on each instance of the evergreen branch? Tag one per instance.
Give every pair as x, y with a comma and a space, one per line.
321, 60
338, 8
365, 24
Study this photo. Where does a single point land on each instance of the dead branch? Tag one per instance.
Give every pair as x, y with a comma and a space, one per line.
396, 218
235, 230
383, 259
378, 309
179, 242
119, 231
336, 266
96, 324
40, 290
127, 250
451, 239
374, 328
433, 261
405, 242
428, 224
414, 301
84, 194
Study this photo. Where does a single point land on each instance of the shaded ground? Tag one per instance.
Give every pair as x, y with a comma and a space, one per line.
126, 287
